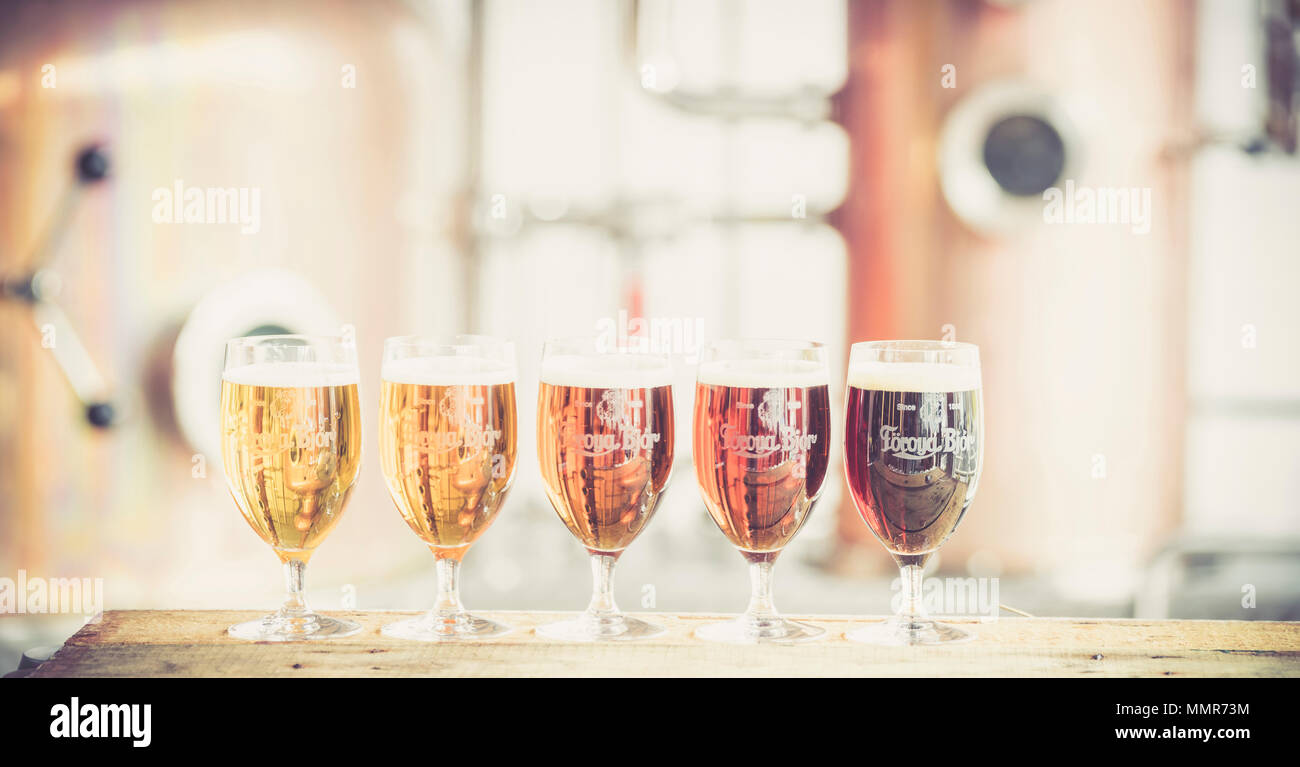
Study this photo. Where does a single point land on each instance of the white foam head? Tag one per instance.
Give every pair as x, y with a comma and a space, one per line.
607, 371
449, 371
294, 375
914, 376
764, 373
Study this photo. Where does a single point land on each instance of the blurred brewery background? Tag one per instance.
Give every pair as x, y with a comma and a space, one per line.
827, 169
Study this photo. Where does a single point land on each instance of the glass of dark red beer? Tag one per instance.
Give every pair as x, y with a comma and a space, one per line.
913, 451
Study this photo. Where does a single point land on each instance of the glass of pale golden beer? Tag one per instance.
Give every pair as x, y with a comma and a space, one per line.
761, 442
605, 445
447, 441
291, 447
913, 452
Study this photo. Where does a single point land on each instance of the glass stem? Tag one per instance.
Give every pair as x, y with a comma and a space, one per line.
760, 592
913, 609
295, 604
448, 588
602, 591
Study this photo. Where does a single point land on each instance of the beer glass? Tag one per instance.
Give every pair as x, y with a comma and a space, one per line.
913, 450
761, 443
605, 445
291, 447
447, 438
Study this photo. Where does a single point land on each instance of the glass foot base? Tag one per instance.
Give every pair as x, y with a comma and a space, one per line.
896, 632
605, 628
277, 627
773, 630
456, 627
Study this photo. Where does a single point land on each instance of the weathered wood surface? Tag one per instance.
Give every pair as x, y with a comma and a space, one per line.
194, 643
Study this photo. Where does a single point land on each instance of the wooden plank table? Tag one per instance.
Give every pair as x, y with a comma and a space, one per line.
194, 643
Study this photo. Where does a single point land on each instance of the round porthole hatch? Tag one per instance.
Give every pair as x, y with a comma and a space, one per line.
1000, 149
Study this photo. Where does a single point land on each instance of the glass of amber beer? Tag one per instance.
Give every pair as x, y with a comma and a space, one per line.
447, 440
913, 451
605, 445
291, 448
762, 439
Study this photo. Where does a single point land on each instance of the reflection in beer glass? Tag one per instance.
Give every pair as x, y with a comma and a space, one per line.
762, 434
291, 448
913, 451
605, 446
447, 439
